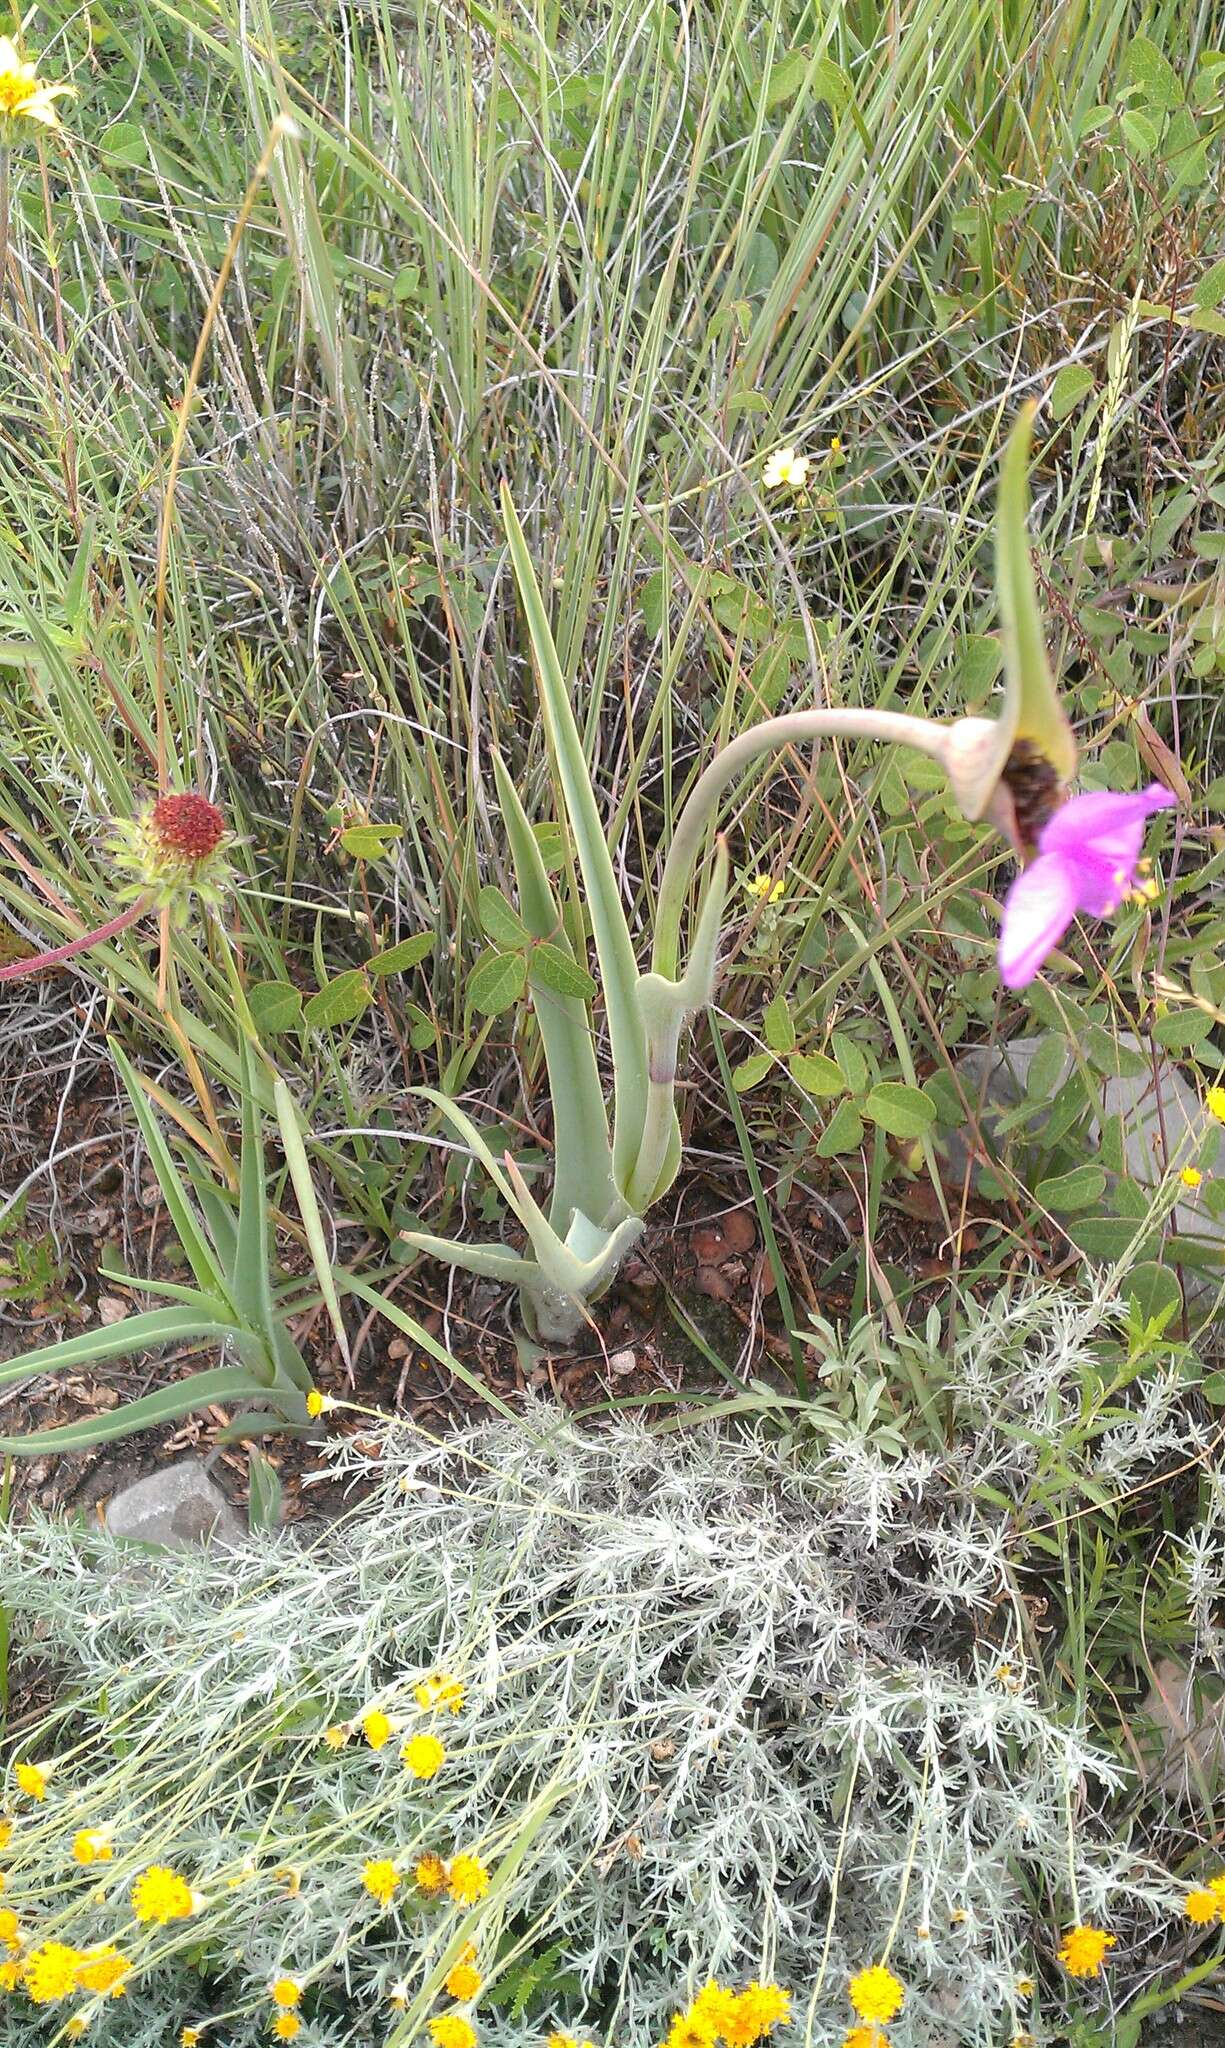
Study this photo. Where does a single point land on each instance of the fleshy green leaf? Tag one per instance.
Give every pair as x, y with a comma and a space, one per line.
903, 1111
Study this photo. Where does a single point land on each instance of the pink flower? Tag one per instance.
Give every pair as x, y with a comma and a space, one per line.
1087, 855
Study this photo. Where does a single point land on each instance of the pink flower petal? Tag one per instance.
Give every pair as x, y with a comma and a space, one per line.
1036, 913
1105, 821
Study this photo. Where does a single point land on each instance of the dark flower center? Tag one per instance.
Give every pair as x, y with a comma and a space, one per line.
1034, 788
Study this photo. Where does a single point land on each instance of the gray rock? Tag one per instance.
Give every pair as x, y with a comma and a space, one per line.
176, 1506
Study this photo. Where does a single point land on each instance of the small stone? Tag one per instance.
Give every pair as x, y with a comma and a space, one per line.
175, 1507
622, 1363
111, 1308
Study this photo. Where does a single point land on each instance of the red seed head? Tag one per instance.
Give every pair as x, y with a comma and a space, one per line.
187, 826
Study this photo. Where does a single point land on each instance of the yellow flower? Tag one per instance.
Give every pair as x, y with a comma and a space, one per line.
337, 1735
1025, 1987
1201, 1907
377, 1727
1083, 1950
865, 2037
6, 1831
381, 1879
785, 467
716, 2008
763, 2006
439, 1690
835, 446
92, 1845
78, 2025
431, 1873
286, 2026
688, 2031
285, 1991
51, 1973
423, 1755
161, 1894
1214, 1103
561, 2041
463, 1982
764, 889
1216, 1886
103, 1969
10, 1975
876, 1993
190, 2038
23, 94
467, 1881
1191, 1177
10, 1929
452, 2030
314, 1403
32, 1778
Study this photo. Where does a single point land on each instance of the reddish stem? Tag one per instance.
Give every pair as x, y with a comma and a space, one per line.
16, 968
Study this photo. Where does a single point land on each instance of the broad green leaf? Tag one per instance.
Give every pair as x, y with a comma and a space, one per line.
124, 142
274, 1006
340, 1001
1183, 1028
399, 958
652, 601
1210, 290
370, 842
903, 1111
843, 1132
559, 971
496, 982
852, 1060
500, 921
1150, 69
1139, 133
1155, 1289
1074, 382
777, 1026
1067, 1192
817, 1074
751, 1072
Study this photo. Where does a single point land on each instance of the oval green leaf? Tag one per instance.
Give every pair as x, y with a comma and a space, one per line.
903, 1111
339, 1001
497, 982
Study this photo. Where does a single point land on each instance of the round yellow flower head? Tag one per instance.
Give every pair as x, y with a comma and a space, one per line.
463, 1982
190, 2037
287, 2026
785, 467
50, 1973
1024, 1987
467, 1880
431, 1873
439, 1690
337, 1735
24, 96
381, 1879
452, 2030
79, 2024
764, 2006
876, 1993
285, 1991
92, 1845
33, 1778
716, 2007
1201, 1907
161, 1894
377, 1727
10, 1929
764, 889
1083, 1949
561, 2041
1191, 1177
314, 1403
423, 1756
104, 1970
865, 2037
687, 2031
1216, 1886
1214, 1103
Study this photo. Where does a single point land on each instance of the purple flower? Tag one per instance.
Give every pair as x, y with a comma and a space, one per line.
1087, 855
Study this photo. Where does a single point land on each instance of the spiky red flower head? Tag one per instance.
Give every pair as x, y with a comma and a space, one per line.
187, 827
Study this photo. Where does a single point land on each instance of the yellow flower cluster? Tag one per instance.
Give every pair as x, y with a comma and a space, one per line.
439, 1691
161, 1895
764, 889
876, 1994
1083, 1950
737, 2018
1206, 1903
53, 1971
